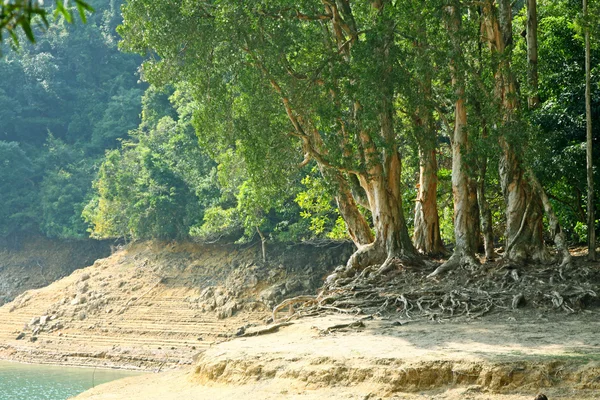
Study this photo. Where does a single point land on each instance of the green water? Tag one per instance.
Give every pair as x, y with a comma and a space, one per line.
41, 382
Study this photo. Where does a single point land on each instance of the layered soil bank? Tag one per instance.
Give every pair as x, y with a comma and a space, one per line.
154, 305
343, 357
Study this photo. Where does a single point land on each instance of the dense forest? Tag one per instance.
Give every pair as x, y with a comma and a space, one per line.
410, 127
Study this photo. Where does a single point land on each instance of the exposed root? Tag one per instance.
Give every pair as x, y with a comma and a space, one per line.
454, 262
291, 302
270, 329
466, 290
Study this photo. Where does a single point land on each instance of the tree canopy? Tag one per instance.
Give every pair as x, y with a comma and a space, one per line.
410, 127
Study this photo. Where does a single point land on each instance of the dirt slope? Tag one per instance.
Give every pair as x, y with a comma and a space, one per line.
154, 305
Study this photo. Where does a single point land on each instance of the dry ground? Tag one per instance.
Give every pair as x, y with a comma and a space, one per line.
510, 360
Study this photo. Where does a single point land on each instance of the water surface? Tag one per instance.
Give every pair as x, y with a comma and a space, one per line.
41, 382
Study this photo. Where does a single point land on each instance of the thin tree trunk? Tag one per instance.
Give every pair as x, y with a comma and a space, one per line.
485, 215
589, 146
356, 224
463, 187
532, 53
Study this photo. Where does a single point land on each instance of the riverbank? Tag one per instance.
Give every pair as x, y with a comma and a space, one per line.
195, 311
343, 357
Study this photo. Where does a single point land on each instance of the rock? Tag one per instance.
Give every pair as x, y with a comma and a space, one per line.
34, 321
220, 300
252, 281
83, 287
33, 339
20, 336
84, 277
241, 330
82, 315
227, 310
43, 320
293, 284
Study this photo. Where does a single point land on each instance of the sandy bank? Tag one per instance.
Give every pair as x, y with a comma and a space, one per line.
509, 360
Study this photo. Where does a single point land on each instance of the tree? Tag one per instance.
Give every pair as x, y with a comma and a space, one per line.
22, 13
525, 198
332, 68
591, 221
463, 184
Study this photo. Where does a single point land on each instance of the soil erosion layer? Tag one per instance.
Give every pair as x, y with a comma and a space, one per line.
154, 305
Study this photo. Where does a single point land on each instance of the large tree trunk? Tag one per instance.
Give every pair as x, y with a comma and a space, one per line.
427, 238
589, 154
524, 225
391, 238
463, 185
383, 187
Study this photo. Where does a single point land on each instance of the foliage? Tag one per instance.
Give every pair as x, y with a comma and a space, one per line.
17, 177
64, 100
22, 13
318, 207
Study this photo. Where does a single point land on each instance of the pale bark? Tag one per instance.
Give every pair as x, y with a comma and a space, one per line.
463, 186
559, 238
589, 146
524, 215
427, 238
382, 184
524, 224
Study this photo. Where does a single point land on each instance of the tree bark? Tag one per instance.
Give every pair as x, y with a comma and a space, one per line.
358, 227
589, 145
427, 238
532, 53
382, 185
524, 224
463, 186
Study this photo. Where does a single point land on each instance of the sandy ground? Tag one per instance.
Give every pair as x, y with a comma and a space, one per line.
509, 360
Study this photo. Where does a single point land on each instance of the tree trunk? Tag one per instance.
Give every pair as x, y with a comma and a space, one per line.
356, 224
427, 238
532, 53
385, 200
383, 187
463, 186
589, 146
485, 215
524, 224
559, 238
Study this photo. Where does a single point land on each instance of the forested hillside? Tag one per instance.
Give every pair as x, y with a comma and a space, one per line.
64, 100
407, 126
